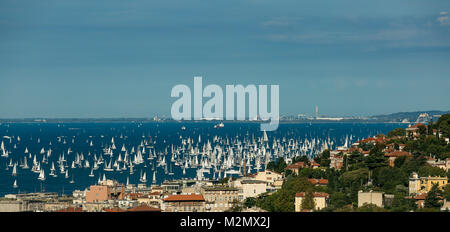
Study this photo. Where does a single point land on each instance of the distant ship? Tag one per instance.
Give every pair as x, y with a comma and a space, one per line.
220, 125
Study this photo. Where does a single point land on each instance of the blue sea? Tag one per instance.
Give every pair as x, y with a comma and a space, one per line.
160, 136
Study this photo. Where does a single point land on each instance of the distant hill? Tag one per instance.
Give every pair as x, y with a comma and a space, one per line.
418, 116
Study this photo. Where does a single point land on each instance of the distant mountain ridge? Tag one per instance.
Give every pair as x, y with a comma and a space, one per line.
417, 116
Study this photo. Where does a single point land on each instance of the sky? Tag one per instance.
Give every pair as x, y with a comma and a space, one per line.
115, 58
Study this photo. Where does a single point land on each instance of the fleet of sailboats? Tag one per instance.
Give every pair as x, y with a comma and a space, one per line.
211, 157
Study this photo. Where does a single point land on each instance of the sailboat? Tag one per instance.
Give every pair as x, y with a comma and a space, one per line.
170, 170
154, 178
92, 173
15, 184
41, 175
14, 171
144, 178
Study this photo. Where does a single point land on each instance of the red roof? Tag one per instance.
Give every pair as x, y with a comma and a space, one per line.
154, 193
318, 181
375, 140
296, 165
315, 194
193, 197
417, 125
114, 210
397, 154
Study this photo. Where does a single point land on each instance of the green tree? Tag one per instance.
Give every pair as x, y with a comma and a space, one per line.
443, 125
399, 161
323, 158
283, 200
370, 208
428, 170
432, 200
250, 202
308, 201
446, 192
388, 178
397, 132
402, 204
338, 200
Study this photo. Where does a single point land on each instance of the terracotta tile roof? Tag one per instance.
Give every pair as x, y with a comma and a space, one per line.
417, 125
296, 165
154, 194
114, 210
318, 181
144, 208
418, 197
375, 140
313, 163
315, 194
397, 154
193, 197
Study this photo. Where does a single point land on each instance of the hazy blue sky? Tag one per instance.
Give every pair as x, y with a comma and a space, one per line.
116, 58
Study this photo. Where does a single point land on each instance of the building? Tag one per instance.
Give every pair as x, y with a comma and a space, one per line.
336, 159
394, 155
108, 190
296, 166
251, 188
444, 164
419, 185
220, 198
184, 203
12, 206
414, 131
320, 200
272, 178
375, 198
98, 193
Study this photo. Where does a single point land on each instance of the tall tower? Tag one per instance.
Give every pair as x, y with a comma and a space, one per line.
317, 111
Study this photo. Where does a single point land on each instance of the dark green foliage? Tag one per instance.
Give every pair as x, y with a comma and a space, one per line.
283, 200
403, 204
308, 202
278, 166
399, 161
250, 202
446, 192
388, 178
428, 170
323, 158
443, 125
432, 200
397, 132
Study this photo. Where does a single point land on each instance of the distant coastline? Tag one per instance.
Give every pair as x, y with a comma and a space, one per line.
401, 117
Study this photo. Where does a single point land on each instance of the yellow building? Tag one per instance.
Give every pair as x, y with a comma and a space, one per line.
220, 198
419, 185
320, 200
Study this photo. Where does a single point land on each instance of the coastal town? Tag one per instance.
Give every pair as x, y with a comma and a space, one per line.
405, 170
